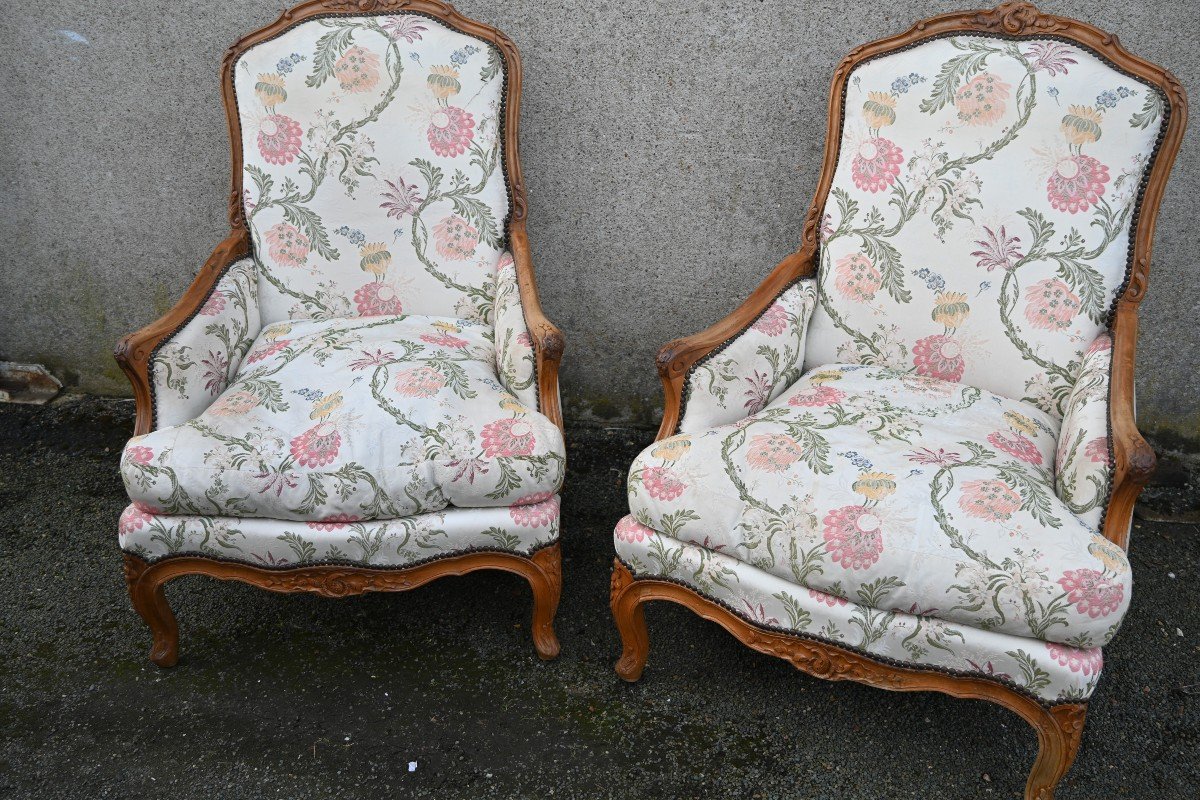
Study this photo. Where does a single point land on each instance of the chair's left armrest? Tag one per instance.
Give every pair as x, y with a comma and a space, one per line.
1083, 460
761, 348
547, 340
180, 362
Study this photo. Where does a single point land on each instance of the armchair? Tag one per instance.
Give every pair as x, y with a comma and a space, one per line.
359, 392
935, 493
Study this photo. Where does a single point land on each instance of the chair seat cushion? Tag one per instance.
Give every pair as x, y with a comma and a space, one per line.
899, 492
360, 419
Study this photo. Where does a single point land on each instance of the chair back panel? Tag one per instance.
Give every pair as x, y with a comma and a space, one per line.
374, 180
978, 224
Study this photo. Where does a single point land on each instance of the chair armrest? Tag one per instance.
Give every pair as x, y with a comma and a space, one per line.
548, 341
1133, 458
1083, 461
165, 387
676, 359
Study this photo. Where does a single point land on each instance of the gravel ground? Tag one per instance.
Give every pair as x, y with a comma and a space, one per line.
438, 692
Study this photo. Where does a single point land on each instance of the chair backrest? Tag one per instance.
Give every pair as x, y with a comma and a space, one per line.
978, 225
374, 172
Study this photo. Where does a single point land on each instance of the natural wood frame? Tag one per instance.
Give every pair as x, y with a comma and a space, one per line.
1059, 727
135, 354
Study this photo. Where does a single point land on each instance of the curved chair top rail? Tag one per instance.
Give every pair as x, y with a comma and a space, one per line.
434, 9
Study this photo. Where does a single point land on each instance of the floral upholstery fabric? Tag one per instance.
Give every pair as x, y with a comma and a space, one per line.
382, 543
1055, 673
920, 494
374, 182
753, 368
195, 364
515, 361
978, 225
1083, 461
360, 419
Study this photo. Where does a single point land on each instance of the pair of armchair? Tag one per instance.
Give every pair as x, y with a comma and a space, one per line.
908, 459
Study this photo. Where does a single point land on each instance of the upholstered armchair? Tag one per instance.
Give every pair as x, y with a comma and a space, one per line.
360, 390
909, 459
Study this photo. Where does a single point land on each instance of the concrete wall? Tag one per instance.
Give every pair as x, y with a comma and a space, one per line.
670, 156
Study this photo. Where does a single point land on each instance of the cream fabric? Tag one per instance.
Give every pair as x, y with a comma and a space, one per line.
1054, 673
978, 225
1083, 461
753, 368
368, 418
196, 363
374, 183
924, 495
515, 360
379, 543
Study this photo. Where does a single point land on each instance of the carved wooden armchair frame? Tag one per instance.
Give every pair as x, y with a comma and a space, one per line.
1059, 727
136, 351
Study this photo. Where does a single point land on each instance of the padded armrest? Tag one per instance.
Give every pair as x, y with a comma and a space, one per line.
189, 368
516, 362
547, 340
740, 377
1083, 463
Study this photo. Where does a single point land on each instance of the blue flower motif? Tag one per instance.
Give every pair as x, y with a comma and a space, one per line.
900, 85
355, 236
460, 56
932, 279
284, 66
1107, 99
1125, 91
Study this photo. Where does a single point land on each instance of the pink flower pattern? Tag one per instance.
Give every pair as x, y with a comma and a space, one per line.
506, 438
1076, 183
287, 245
377, 299
1016, 444
876, 164
279, 139
423, 381
1092, 592
451, 131
773, 452
1051, 305
661, 483
317, 446
455, 238
853, 536
989, 499
773, 321
816, 396
857, 278
537, 510
939, 356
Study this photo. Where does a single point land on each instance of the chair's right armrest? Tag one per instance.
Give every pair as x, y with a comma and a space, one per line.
733, 368
181, 361
548, 341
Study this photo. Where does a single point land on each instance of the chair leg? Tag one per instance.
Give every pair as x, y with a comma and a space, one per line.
546, 583
627, 612
1059, 731
150, 602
